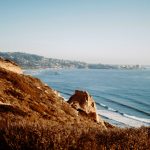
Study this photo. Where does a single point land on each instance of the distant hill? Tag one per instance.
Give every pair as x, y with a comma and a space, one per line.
35, 61
32, 61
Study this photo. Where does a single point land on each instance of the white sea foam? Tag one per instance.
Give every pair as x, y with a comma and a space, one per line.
111, 109
37, 71
124, 119
103, 105
137, 118
33, 72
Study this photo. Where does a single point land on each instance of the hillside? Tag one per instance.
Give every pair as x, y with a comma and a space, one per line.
10, 65
26, 60
35, 100
31, 61
34, 116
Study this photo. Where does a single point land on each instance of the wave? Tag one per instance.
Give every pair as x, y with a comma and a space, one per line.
135, 94
123, 114
108, 108
32, 72
128, 98
123, 97
36, 72
113, 110
128, 120
114, 122
137, 118
117, 116
70, 90
122, 119
65, 93
127, 106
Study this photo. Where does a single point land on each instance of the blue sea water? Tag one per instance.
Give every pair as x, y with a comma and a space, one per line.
122, 96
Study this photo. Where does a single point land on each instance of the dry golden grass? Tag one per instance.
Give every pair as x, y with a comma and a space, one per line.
24, 135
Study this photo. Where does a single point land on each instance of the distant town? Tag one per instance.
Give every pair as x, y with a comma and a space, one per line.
32, 61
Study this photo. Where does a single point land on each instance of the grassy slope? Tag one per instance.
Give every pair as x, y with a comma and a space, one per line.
39, 135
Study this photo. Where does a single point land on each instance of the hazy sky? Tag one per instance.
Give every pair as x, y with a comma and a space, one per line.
106, 31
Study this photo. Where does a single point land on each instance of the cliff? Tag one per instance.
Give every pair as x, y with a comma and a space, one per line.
25, 97
10, 65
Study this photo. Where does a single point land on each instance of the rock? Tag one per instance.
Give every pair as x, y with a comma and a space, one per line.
84, 103
10, 65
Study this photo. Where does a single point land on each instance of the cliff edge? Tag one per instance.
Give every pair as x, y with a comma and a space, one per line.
10, 65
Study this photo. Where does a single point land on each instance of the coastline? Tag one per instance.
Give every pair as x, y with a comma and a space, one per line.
113, 116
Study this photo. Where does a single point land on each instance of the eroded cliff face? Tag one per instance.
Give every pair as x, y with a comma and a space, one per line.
9, 65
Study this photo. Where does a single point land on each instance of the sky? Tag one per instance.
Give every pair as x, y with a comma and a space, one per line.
94, 31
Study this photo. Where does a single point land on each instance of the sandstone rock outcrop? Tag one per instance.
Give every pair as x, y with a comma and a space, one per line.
10, 65
83, 102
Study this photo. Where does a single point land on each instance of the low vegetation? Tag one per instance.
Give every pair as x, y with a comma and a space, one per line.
25, 135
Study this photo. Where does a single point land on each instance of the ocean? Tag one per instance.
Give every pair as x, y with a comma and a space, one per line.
122, 96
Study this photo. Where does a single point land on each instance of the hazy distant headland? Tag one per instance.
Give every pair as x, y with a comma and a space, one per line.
32, 61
